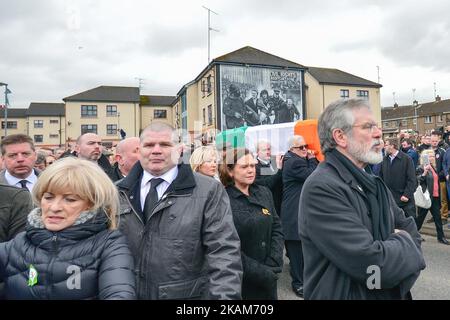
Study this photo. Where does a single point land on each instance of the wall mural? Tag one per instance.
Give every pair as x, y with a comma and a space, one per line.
254, 96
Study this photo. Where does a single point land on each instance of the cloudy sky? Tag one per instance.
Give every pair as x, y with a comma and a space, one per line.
50, 49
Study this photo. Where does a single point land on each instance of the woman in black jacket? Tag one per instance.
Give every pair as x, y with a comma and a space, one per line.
257, 224
429, 180
70, 249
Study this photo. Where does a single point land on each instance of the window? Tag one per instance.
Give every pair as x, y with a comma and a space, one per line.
111, 129
203, 88
204, 116
208, 84
85, 128
88, 111
111, 111
53, 136
386, 124
363, 94
404, 123
38, 123
9, 124
345, 94
428, 119
439, 118
38, 138
210, 121
54, 121
160, 114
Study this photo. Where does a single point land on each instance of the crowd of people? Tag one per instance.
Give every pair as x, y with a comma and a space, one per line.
144, 223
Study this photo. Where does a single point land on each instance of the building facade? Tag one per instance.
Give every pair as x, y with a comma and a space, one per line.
200, 106
325, 85
16, 122
105, 110
416, 118
44, 122
156, 108
243, 87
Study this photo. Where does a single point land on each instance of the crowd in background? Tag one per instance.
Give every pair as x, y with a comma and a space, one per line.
214, 224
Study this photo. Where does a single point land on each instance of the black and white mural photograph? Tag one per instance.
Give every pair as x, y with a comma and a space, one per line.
252, 96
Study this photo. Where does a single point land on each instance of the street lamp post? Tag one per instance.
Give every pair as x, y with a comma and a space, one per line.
6, 106
415, 116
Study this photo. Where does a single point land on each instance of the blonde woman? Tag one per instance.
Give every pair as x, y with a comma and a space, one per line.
429, 179
70, 249
204, 160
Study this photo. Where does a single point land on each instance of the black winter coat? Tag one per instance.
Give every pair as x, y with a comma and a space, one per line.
188, 248
116, 175
259, 229
295, 172
15, 204
85, 261
439, 155
400, 177
339, 250
272, 178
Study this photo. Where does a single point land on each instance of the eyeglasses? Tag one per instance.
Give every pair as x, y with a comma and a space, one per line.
303, 147
370, 126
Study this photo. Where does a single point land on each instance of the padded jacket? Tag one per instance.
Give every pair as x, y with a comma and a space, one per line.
84, 261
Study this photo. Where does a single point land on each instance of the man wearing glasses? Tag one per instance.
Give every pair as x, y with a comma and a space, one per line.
357, 243
299, 164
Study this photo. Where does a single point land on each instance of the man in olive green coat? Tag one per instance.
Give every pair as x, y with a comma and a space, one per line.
15, 204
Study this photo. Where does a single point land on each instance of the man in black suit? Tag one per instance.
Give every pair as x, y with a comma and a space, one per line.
399, 175
269, 172
298, 164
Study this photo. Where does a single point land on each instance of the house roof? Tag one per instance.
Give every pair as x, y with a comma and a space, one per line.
424, 109
253, 56
336, 76
46, 109
14, 113
157, 100
107, 94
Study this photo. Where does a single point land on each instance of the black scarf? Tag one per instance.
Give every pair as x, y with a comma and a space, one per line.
377, 196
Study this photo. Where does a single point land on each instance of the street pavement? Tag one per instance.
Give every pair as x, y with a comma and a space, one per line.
433, 283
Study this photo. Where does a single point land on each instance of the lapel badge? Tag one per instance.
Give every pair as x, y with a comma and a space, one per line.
265, 212
359, 188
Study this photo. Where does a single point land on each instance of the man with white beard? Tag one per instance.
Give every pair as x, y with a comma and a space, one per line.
357, 243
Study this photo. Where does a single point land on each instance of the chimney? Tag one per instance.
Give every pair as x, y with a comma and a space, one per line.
438, 98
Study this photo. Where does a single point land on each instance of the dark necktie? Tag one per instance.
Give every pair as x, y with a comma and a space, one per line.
152, 197
23, 184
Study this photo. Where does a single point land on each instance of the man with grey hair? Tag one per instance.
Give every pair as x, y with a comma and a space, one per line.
357, 243
178, 224
299, 164
269, 171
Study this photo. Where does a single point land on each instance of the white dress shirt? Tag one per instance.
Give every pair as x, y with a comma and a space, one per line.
168, 178
13, 181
